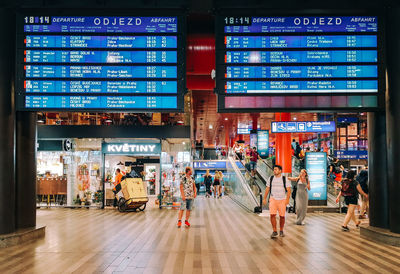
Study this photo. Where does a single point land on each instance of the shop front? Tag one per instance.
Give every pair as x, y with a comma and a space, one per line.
82, 174
141, 160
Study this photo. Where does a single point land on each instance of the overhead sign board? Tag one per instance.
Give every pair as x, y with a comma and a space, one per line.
100, 62
317, 172
293, 127
351, 154
263, 59
132, 148
209, 164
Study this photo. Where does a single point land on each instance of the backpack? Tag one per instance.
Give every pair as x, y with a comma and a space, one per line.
336, 169
270, 183
348, 188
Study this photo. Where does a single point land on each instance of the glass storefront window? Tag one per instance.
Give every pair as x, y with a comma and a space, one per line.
176, 155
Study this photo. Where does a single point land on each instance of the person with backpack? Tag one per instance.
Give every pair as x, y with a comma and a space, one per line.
350, 190
336, 172
301, 197
279, 199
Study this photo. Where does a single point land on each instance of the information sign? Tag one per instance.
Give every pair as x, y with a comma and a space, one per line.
316, 168
100, 62
351, 154
314, 56
288, 127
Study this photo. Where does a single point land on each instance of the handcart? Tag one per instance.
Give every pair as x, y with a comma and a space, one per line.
134, 195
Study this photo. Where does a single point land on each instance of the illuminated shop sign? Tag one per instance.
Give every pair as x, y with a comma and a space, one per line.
132, 148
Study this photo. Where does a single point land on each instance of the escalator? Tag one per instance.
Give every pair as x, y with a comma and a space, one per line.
241, 188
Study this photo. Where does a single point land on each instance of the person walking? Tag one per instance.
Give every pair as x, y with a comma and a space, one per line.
217, 184
117, 185
350, 190
279, 198
207, 182
301, 199
188, 194
362, 179
222, 183
254, 156
336, 172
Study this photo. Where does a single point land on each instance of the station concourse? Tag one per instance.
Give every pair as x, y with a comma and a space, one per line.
115, 114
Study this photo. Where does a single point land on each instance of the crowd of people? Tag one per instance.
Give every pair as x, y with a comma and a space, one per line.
279, 189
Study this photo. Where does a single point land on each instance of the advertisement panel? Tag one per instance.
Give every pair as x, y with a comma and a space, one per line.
263, 143
316, 165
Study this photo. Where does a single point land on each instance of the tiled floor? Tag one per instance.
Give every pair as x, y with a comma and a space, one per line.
223, 239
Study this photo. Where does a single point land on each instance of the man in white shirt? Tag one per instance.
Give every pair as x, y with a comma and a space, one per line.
280, 189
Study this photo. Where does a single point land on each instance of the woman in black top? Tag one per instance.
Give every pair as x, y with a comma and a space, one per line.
350, 190
208, 182
216, 184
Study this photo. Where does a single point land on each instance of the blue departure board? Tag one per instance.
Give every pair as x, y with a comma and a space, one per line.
304, 55
101, 63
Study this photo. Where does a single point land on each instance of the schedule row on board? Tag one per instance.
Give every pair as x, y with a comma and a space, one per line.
323, 86
48, 71
326, 56
49, 86
90, 56
100, 102
306, 41
324, 71
87, 41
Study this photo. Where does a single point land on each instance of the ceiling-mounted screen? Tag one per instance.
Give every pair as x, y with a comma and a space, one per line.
298, 62
104, 63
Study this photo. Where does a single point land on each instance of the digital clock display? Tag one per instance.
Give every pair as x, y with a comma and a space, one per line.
101, 63
303, 56
237, 21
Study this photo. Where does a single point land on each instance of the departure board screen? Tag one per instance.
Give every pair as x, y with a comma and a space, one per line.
103, 63
303, 62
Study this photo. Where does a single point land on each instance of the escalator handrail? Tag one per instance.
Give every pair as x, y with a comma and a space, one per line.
266, 163
244, 164
240, 175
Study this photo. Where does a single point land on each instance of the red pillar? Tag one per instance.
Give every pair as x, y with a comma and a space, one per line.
283, 145
226, 136
240, 136
255, 121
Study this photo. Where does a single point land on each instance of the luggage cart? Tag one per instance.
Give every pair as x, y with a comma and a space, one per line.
134, 195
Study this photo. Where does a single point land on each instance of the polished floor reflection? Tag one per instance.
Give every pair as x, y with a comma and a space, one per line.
223, 239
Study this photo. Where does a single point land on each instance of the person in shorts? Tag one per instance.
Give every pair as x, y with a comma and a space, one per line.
280, 189
350, 190
188, 193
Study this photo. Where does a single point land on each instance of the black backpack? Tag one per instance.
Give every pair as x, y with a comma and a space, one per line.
270, 184
348, 188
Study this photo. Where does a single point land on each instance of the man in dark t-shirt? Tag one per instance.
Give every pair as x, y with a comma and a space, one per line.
253, 161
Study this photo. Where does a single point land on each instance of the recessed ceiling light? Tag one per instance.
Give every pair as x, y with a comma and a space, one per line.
226, 119
210, 126
183, 143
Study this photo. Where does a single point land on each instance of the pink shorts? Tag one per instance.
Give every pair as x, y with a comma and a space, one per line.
277, 205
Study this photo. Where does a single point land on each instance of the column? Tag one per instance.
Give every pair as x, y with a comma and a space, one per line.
283, 145
7, 145
393, 115
26, 170
377, 171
